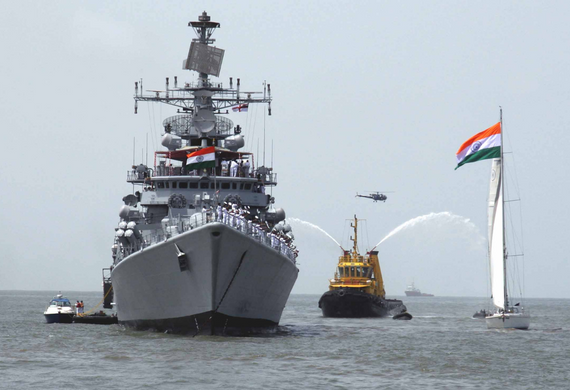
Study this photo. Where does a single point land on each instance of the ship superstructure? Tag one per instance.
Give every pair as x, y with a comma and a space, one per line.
200, 246
412, 291
357, 289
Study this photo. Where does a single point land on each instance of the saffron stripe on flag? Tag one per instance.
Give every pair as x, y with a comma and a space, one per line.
495, 129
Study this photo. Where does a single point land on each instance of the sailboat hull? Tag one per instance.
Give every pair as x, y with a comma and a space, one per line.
508, 321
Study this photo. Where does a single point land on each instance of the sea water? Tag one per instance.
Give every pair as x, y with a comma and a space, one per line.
442, 347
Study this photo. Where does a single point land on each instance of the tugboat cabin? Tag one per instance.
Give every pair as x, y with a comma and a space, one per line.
361, 273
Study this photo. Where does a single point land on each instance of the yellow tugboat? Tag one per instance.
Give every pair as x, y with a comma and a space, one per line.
357, 289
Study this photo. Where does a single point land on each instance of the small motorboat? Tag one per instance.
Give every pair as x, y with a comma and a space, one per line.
403, 316
59, 310
481, 314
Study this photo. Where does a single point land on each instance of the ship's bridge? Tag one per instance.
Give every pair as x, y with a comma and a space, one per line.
172, 163
353, 270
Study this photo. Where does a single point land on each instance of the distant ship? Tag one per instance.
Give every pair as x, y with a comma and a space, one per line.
357, 289
412, 291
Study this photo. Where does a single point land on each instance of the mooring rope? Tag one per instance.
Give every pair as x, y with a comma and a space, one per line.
100, 302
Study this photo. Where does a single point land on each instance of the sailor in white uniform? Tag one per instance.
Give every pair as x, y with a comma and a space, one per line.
233, 168
225, 216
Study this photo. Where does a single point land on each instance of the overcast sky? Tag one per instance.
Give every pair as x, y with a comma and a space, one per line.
368, 96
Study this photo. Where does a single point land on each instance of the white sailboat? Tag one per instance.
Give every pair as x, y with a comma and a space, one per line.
489, 145
506, 314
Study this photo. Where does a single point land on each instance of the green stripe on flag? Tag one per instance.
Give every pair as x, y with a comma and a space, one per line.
201, 165
483, 154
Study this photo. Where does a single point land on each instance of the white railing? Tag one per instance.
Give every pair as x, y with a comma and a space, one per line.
172, 227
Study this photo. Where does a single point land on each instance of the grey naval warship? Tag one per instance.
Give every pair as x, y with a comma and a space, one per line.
200, 247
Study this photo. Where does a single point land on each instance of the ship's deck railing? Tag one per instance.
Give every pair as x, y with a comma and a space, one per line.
175, 226
362, 281
134, 176
241, 224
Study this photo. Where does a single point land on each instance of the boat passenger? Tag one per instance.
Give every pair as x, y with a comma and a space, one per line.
225, 216
219, 213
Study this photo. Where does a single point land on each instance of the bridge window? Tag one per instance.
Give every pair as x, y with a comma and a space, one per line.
160, 184
167, 185
174, 184
193, 185
183, 184
352, 271
234, 186
358, 273
248, 186
225, 186
204, 185
341, 272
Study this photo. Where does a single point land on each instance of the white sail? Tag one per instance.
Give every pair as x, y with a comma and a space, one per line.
496, 236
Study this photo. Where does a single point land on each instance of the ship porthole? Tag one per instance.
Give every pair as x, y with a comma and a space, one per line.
215, 234
341, 293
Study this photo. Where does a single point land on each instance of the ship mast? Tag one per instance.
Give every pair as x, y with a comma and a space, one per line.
204, 28
503, 209
207, 61
355, 239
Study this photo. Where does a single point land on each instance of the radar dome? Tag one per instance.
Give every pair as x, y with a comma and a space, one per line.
171, 142
124, 211
234, 142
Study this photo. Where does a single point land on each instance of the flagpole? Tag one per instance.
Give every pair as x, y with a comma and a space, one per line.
502, 189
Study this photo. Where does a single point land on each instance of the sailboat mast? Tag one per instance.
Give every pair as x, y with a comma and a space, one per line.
503, 210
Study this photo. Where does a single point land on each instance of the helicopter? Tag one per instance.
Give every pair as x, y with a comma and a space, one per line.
376, 196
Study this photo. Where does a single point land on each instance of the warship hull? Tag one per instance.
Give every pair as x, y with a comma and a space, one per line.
210, 280
346, 303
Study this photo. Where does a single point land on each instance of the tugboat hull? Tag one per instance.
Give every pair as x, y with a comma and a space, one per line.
345, 303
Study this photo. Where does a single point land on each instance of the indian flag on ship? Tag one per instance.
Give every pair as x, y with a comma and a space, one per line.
203, 158
482, 146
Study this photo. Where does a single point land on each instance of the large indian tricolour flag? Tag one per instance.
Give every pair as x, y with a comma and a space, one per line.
203, 158
482, 146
